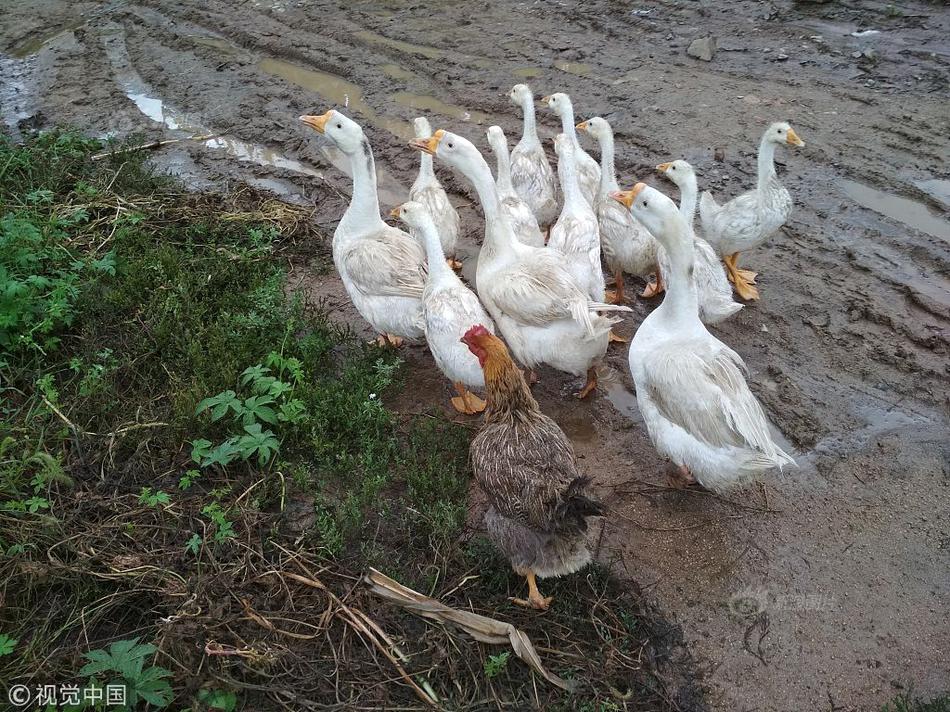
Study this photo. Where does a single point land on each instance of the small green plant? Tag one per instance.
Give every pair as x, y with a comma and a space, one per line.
149, 498
188, 479
223, 529
270, 401
193, 545
7, 644
215, 699
496, 664
124, 662
906, 703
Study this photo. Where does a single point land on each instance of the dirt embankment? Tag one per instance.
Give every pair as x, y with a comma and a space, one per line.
824, 589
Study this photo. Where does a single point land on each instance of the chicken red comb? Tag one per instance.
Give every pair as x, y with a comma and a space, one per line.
477, 330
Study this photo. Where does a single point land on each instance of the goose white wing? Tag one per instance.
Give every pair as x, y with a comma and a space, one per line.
389, 263
698, 384
537, 292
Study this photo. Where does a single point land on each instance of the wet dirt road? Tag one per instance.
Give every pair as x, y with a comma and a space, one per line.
829, 587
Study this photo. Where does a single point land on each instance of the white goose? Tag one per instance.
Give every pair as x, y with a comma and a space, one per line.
712, 288
522, 219
691, 391
427, 190
588, 172
449, 309
531, 174
748, 220
540, 310
626, 244
382, 268
575, 234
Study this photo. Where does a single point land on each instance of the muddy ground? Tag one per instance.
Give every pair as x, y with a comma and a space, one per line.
828, 588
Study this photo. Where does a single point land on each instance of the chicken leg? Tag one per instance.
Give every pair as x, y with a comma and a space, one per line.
743, 279
467, 402
535, 600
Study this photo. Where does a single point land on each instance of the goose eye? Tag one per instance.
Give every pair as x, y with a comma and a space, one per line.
450, 145
673, 167
339, 126
778, 130
645, 204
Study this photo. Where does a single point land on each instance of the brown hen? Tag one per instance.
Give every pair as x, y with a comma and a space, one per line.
524, 463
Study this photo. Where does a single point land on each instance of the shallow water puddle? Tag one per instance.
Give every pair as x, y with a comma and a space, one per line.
528, 72
937, 189
430, 103
405, 47
161, 112
336, 90
904, 210
394, 71
33, 45
578, 68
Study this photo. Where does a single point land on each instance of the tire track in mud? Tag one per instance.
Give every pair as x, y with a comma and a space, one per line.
848, 348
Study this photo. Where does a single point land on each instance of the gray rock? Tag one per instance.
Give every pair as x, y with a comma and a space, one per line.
703, 48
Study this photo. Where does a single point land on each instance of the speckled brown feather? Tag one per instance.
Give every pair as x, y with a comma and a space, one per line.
522, 459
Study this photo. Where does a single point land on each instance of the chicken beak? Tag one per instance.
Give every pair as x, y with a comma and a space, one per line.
582, 126
428, 145
318, 123
626, 197
664, 167
792, 138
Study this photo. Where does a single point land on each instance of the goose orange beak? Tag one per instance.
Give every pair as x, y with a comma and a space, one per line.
394, 213
626, 197
582, 126
792, 138
318, 123
428, 145
664, 167
545, 99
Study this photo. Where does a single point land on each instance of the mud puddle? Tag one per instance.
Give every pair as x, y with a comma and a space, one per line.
33, 45
904, 210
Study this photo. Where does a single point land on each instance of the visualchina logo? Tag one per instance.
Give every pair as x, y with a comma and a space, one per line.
749, 601
753, 601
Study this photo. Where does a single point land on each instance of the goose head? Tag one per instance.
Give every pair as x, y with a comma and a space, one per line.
678, 171
343, 131
782, 133
496, 139
655, 211
413, 214
451, 148
559, 103
596, 127
520, 93
421, 127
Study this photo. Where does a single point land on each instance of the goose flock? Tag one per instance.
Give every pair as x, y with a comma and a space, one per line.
540, 298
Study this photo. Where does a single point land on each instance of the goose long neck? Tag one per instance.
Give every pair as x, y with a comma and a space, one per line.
688, 195
766, 164
426, 169
567, 172
503, 166
530, 127
363, 211
567, 124
608, 174
479, 173
435, 256
680, 303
